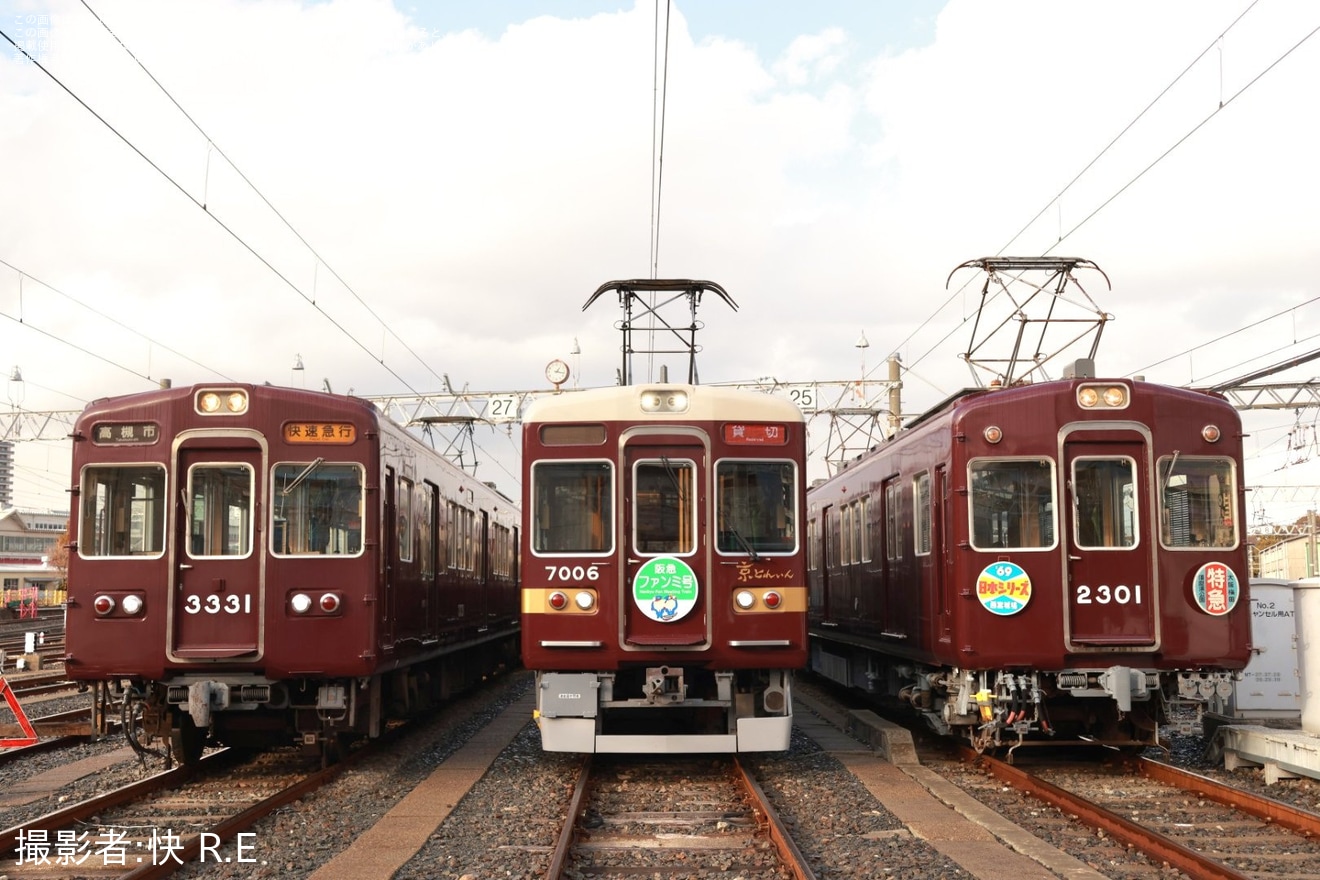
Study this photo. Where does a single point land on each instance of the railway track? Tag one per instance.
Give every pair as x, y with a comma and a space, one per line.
631, 816
1197, 825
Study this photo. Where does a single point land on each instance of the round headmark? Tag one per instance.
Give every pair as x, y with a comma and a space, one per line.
557, 372
1215, 588
1003, 588
665, 589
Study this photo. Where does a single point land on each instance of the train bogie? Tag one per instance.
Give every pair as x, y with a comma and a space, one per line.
664, 599
258, 565
1047, 561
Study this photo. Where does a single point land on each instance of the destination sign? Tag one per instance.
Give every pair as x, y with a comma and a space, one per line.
118, 433
341, 433
737, 434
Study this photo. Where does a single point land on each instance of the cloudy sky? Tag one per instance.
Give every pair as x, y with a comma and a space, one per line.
399, 192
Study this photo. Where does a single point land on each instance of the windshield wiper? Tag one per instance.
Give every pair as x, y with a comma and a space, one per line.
751, 551
307, 472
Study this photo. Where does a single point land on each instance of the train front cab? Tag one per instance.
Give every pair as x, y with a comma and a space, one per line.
210, 553
1082, 580
1148, 559
663, 597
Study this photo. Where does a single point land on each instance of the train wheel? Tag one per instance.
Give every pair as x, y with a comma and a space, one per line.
187, 741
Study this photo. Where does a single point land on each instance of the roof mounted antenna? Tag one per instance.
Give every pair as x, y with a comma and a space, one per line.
631, 301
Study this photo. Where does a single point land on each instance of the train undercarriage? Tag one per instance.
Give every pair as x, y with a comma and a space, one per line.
665, 709
999, 710
178, 718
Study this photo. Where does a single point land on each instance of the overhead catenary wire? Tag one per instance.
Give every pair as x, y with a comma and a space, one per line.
659, 104
233, 233
214, 146
1065, 235
190, 197
21, 319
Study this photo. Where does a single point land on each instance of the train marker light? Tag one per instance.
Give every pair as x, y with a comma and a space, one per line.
329, 603
744, 599
301, 603
103, 605
132, 605
993, 434
558, 600
772, 599
584, 600
1210, 433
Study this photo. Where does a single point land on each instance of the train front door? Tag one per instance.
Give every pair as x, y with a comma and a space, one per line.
666, 575
1111, 576
215, 606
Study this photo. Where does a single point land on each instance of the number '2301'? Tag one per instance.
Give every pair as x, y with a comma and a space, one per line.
1107, 595
213, 604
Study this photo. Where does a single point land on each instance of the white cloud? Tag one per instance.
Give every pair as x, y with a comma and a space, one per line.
812, 57
473, 191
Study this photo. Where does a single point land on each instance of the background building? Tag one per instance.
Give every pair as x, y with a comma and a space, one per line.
31, 562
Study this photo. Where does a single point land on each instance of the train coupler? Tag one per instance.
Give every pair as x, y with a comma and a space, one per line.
664, 684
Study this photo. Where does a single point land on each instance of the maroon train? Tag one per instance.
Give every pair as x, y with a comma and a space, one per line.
664, 595
256, 566
1047, 562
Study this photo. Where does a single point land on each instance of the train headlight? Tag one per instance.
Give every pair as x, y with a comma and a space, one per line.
213, 402
132, 605
330, 602
1110, 396
558, 600
1210, 434
584, 599
772, 599
103, 605
301, 603
744, 598
670, 400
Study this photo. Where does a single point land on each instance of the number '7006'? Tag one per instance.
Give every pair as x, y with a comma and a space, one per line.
572, 573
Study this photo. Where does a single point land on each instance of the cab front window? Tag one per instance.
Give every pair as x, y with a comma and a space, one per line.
123, 511
756, 506
316, 509
572, 511
1196, 502
1012, 503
